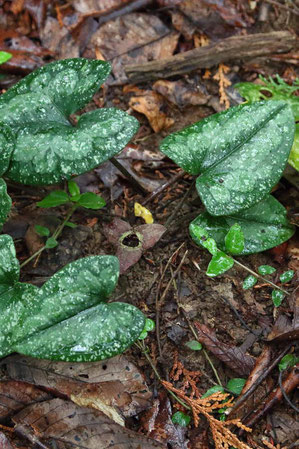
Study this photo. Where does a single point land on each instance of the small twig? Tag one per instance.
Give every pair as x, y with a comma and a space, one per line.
159, 190
178, 207
239, 316
127, 175
262, 377
285, 394
294, 10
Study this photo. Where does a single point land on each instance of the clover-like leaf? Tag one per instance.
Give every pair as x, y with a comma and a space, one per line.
5, 202
47, 147
65, 319
240, 153
220, 263
264, 226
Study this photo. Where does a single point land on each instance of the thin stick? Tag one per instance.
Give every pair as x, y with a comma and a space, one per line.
159, 190
127, 174
178, 207
287, 8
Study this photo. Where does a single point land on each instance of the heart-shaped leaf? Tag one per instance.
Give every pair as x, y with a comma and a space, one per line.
241, 153
47, 148
264, 226
65, 319
5, 202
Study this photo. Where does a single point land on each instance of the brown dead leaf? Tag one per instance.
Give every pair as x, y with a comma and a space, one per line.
133, 38
4, 442
181, 93
157, 424
14, 396
65, 425
88, 6
232, 356
151, 104
116, 382
59, 40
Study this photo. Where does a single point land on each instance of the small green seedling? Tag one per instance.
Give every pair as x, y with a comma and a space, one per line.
287, 276
288, 361
194, 345
69, 318
149, 326
266, 269
276, 89
5, 56
181, 419
249, 282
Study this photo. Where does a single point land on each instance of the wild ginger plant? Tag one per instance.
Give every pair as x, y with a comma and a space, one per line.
39, 143
239, 155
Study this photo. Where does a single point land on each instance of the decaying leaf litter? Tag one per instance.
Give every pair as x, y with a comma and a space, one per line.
122, 402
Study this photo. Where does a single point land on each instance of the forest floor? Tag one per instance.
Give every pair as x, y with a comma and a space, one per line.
243, 334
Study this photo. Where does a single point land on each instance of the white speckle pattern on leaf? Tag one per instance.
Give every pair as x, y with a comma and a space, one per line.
67, 313
46, 147
5, 202
241, 153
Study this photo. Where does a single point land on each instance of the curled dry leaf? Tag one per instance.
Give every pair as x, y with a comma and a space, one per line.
114, 384
14, 396
151, 104
131, 242
157, 424
232, 356
65, 425
181, 93
133, 38
88, 6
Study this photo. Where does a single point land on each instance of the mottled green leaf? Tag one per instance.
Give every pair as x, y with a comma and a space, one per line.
240, 153
73, 188
294, 154
287, 276
277, 297
234, 239
266, 269
47, 147
7, 144
5, 202
91, 201
194, 345
97, 333
249, 282
54, 199
212, 390
236, 385
264, 226
181, 419
43, 231
4, 56
149, 325
65, 319
219, 264
9, 264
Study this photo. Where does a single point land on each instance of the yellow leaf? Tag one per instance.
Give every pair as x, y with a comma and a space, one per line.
143, 212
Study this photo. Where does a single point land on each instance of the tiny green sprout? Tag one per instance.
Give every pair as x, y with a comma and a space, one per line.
287, 276
194, 345
236, 385
249, 282
42, 231
73, 188
234, 239
181, 419
219, 264
266, 269
149, 326
69, 224
4, 57
277, 297
54, 199
51, 242
212, 390
288, 361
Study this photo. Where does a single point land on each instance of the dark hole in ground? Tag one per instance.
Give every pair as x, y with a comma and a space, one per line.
131, 240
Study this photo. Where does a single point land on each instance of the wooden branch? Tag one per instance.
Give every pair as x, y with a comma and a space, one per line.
230, 49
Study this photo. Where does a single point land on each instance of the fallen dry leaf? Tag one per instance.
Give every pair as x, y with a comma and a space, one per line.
65, 425
157, 424
4, 442
133, 38
181, 93
14, 396
151, 105
89, 6
116, 383
232, 356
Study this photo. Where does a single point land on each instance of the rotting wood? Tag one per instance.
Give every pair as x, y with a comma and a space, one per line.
229, 49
